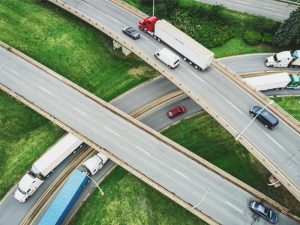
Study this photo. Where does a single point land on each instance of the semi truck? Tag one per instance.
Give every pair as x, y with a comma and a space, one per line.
65, 199
92, 165
42, 168
274, 81
284, 59
191, 51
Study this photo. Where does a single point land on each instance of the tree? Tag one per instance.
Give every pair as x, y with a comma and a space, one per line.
289, 31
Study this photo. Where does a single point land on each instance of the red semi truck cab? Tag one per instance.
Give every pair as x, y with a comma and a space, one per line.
148, 24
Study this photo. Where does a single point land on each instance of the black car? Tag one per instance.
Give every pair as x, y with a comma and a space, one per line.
264, 116
131, 32
264, 211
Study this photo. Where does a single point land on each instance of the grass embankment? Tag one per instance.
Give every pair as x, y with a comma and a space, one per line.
291, 105
73, 49
127, 200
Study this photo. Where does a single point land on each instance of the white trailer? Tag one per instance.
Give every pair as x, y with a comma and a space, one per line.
284, 59
191, 51
268, 82
92, 165
45, 165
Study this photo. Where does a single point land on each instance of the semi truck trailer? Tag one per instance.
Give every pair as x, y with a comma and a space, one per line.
65, 199
191, 51
41, 169
284, 59
274, 81
92, 165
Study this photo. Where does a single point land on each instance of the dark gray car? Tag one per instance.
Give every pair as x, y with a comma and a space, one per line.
265, 117
131, 32
265, 212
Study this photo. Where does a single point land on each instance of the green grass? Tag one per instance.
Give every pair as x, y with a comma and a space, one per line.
128, 200
291, 105
24, 136
237, 46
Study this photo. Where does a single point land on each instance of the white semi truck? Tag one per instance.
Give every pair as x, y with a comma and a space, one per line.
92, 165
284, 59
274, 81
41, 169
191, 51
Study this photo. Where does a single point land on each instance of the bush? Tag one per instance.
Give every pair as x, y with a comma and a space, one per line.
252, 37
267, 38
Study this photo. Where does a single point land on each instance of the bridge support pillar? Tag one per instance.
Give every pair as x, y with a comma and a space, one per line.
125, 51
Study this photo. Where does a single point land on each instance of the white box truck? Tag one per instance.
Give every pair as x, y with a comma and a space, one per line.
274, 81
191, 51
92, 165
167, 57
41, 169
284, 59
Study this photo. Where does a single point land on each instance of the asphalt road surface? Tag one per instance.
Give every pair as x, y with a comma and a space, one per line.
281, 146
271, 9
190, 181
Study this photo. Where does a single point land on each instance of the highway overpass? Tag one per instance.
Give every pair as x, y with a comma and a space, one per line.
218, 90
190, 181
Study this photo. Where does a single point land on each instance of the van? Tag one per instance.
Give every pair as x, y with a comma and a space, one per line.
167, 57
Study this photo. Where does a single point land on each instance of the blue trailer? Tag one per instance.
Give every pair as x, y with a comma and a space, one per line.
65, 199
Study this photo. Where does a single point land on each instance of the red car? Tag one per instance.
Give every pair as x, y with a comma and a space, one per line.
176, 111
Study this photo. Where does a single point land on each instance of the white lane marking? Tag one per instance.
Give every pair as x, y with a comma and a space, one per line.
45, 90
186, 177
107, 128
15, 72
110, 17
234, 207
230, 103
138, 147
272, 139
78, 110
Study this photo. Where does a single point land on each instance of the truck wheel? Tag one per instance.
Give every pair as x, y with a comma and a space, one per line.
169, 67
158, 39
154, 37
184, 58
156, 56
196, 67
190, 63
